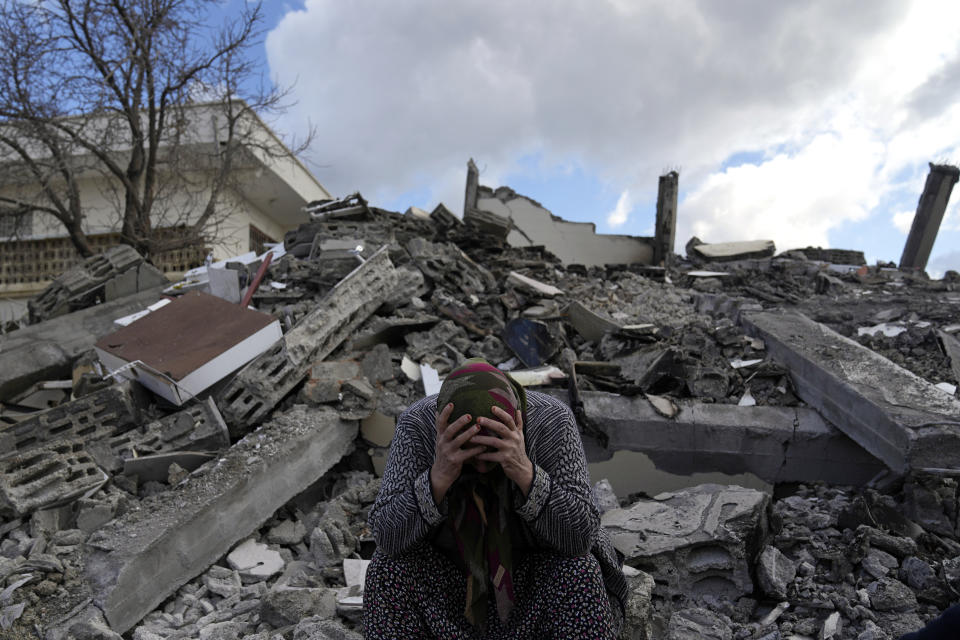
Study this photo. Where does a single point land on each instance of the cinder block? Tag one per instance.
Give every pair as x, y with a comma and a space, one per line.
47, 476
259, 386
138, 560
101, 414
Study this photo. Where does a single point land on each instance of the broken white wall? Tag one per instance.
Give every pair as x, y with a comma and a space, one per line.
572, 242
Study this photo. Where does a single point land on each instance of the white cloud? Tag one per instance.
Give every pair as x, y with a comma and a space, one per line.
621, 212
841, 98
903, 220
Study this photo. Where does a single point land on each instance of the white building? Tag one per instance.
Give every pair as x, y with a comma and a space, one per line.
266, 196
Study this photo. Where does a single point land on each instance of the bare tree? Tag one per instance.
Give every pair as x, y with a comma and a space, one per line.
143, 95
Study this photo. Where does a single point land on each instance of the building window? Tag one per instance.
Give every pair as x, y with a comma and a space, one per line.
258, 239
14, 225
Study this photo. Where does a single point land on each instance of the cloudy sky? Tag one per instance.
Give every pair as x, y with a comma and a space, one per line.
809, 123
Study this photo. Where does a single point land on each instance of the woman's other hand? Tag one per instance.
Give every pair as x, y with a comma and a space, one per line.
508, 445
449, 455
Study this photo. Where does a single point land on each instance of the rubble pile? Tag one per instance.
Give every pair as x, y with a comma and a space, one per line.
242, 513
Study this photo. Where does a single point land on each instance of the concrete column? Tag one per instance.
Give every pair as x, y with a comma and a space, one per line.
473, 183
666, 223
926, 222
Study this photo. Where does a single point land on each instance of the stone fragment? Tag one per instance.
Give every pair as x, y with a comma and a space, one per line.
604, 496
254, 560
878, 563
287, 606
695, 541
287, 532
317, 628
639, 606
377, 365
917, 574
831, 626
222, 581
775, 572
888, 594
698, 624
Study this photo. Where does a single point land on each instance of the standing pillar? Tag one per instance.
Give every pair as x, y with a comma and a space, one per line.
926, 222
470, 191
666, 223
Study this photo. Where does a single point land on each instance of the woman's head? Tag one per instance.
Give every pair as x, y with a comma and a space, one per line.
476, 387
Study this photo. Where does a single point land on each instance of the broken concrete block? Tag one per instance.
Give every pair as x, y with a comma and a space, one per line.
285, 606
588, 324
775, 572
101, 414
196, 429
724, 251
778, 444
532, 286
318, 628
139, 559
639, 606
889, 594
894, 414
47, 476
187, 346
84, 285
251, 559
377, 365
225, 284
171, 467
448, 266
46, 351
288, 533
326, 379
695, 541
698, 624
259, 386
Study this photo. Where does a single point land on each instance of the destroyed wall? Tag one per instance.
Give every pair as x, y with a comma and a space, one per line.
243, 514
530, 224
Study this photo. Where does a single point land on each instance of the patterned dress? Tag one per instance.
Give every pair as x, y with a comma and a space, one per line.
568, 582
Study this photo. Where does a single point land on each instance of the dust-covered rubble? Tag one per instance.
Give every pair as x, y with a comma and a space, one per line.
414, 294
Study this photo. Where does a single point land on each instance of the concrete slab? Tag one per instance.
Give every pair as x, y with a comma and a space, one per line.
778, 444
259, 386
897, 416
46, 351
141, 558
722, 251
697, 541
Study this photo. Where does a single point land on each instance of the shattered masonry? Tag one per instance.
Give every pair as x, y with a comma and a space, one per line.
242, 514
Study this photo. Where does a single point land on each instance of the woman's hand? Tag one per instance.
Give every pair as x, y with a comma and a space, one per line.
509, 447
448, 455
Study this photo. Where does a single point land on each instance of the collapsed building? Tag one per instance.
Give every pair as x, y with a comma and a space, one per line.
213, 482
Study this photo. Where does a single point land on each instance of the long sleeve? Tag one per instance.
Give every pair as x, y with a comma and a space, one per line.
404, 511
559, 507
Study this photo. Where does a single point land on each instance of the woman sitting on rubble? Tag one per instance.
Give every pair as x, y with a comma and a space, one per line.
485, 523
